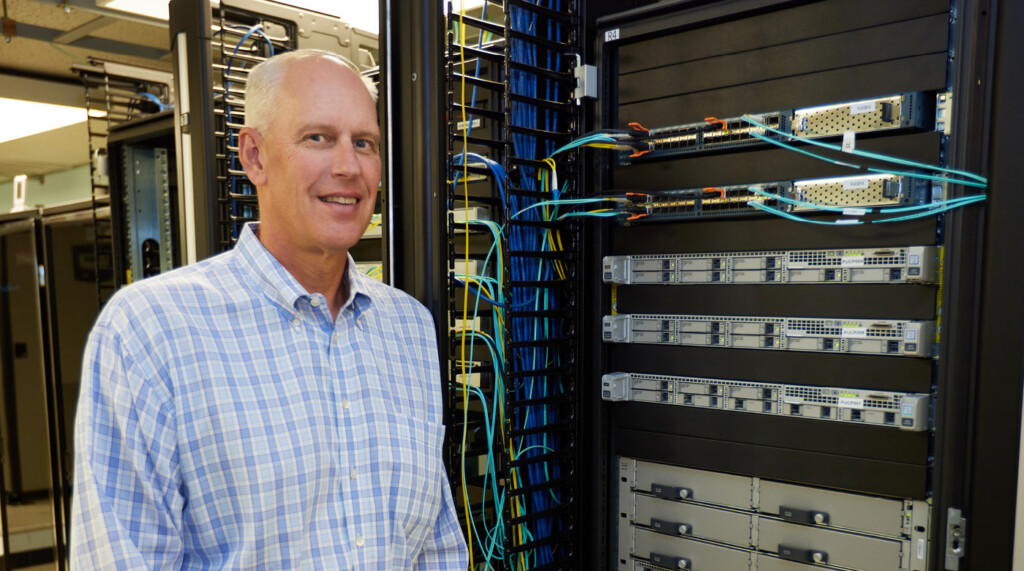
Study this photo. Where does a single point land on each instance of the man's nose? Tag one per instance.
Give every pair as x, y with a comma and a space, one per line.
345, 160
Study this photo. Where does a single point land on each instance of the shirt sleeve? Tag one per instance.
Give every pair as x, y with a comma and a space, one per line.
127, 502
444, 549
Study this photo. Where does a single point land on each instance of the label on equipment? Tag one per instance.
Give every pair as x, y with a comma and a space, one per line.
854, 331
852, 260
849, 141
854, 211
856, 184
850, 402
795, 332
611, 35
920, 549
862, 107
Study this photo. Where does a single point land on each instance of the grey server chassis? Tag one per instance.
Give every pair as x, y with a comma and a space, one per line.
906, 411
912, 264
900, 338
682, 518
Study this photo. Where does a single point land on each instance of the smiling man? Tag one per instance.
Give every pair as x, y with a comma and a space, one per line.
271, 408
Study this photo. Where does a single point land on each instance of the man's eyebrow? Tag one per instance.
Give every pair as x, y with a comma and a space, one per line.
316, 127
367, 134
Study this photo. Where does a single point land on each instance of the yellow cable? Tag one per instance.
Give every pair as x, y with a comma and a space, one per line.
465, 291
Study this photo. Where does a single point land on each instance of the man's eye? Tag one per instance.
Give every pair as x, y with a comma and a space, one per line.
316, 138
365, 144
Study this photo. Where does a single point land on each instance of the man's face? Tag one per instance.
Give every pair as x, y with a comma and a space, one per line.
320, 161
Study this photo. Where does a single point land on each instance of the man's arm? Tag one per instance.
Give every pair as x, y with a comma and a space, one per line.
127, 503
444, 548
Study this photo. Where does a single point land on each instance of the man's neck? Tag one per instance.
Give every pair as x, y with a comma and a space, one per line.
317, 272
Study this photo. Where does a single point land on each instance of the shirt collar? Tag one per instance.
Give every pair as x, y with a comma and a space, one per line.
279, 285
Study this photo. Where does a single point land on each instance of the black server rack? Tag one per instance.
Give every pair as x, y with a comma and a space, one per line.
782, 361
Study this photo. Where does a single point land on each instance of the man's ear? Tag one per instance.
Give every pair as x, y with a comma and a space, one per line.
251, 155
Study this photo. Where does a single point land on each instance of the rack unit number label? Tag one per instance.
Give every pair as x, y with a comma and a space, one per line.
611, 35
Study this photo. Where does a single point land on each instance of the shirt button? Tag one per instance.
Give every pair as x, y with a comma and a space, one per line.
352, 474
315, 302
359, 541
334, 339
296, 321
345, 403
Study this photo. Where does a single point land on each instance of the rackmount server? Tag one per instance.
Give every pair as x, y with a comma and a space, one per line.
912, 264
681, 518
906, 411
865, 336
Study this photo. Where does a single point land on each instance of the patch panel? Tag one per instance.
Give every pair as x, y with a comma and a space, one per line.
901, 111
906, 411
911, 264
825, 335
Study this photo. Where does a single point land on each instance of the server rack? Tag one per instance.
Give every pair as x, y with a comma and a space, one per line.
686, 64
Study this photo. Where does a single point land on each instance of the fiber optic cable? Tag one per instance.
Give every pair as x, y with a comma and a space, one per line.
868, 154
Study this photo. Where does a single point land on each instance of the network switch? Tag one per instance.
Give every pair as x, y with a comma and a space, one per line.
902, 111
854, 193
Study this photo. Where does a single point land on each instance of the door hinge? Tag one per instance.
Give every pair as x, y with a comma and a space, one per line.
956, 538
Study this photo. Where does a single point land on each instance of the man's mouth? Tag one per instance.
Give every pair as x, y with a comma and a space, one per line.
339, 199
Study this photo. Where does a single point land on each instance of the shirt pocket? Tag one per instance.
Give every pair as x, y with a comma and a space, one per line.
417, 477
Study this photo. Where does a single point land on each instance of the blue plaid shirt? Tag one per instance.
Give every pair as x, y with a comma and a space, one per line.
225, 421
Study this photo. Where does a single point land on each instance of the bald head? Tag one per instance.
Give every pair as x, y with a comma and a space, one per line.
267, 78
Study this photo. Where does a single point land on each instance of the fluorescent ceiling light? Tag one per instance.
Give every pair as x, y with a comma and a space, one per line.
24, 118
153, 8
465, 4
363, 15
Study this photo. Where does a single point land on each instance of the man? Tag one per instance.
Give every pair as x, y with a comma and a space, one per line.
270, 408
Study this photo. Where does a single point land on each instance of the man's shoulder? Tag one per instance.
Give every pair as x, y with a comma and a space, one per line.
181, 291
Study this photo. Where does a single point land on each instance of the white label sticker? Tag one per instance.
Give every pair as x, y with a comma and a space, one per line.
462, 124
911, 335
854, 331
856, 184
854, 211
862, 107
611, 35
796, 332
852, 261
849, 141
920, 549
850, 402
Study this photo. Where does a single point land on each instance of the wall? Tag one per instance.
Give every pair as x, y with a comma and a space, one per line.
65, 186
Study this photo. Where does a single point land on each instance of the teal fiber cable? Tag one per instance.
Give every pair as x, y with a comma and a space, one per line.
784, 214
866, 154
